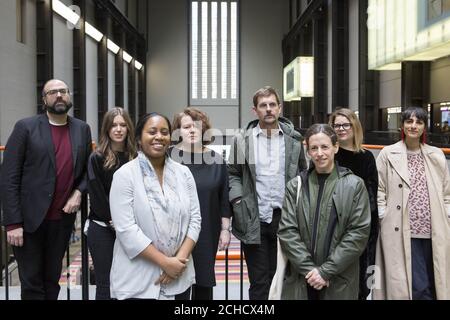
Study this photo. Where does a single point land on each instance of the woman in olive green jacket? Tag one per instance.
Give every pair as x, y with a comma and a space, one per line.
324, 234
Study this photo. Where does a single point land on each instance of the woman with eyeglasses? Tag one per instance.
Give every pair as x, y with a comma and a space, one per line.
352, 155
156, 214
413, 250
116, 147
324, 225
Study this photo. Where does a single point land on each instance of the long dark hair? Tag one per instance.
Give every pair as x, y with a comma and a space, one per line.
104, 146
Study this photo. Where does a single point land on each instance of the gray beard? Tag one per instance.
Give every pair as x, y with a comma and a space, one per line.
58, 110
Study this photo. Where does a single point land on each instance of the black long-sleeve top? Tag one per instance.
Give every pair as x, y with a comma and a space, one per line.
211, 179
99, 185
364, 166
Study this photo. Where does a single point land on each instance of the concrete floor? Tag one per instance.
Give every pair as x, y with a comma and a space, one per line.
75, 294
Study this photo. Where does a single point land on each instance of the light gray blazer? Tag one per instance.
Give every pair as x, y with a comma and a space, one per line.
131, 275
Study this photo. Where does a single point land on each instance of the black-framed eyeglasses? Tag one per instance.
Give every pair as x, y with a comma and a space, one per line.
54, 92
345, 126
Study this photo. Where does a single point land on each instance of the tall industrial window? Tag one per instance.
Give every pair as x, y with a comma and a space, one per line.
20, 20
214, 65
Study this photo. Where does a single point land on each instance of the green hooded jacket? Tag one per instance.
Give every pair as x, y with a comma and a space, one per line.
241, 170
342, 232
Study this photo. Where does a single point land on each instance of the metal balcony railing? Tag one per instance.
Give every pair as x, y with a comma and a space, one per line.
5, 279
7, 270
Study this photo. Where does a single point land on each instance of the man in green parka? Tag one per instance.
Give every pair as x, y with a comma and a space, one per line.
324, 232
263, 158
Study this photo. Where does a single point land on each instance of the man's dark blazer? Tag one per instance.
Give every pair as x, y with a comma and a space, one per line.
29, 169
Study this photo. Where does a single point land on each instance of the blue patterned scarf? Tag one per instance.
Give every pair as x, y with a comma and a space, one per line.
165, 206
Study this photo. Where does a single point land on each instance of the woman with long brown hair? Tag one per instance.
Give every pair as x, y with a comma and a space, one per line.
116, 147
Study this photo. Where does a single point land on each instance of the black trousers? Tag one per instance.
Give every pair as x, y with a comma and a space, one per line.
184, 295
261, 259
202, 293
40, 258
423, 287
101, 244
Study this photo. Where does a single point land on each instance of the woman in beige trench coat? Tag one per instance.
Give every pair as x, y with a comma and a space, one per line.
414, 207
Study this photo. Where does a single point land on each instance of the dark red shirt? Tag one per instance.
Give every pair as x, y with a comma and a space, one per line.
64, 171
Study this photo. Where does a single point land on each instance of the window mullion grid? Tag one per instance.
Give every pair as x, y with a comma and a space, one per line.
209, 53
213, 58
219, 50
195, 50
229, 51
205, 46
216, 59
224, 49
233, 51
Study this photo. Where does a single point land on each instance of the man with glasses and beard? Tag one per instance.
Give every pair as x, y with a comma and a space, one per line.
43, 179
